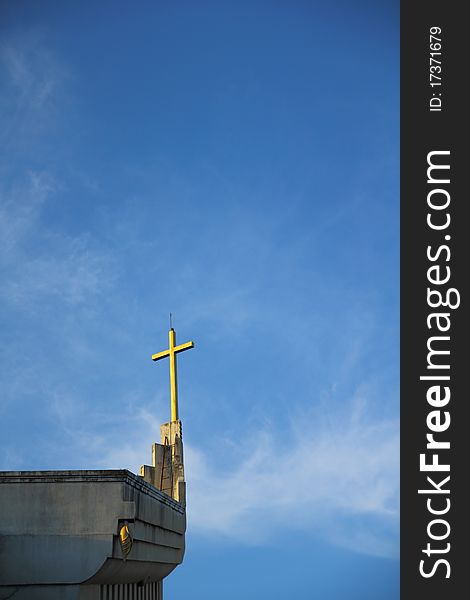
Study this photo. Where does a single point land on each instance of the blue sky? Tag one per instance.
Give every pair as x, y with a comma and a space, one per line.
235, 163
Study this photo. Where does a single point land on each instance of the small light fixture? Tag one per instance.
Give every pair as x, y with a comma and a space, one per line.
125, 538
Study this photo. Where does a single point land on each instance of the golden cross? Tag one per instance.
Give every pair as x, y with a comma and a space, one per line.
172, 352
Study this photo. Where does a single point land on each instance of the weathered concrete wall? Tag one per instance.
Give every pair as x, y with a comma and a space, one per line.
61, 527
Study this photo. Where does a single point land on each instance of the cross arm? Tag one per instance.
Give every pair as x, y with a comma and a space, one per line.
160, 355
182, 347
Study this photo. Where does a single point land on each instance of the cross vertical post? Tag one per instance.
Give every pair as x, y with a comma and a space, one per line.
173, 375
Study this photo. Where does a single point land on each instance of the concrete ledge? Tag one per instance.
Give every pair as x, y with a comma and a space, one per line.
97, 476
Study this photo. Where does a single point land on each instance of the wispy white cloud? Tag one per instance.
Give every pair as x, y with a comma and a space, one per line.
40, 263
37, 261
32, 83
20, 208
309, 479
72, 277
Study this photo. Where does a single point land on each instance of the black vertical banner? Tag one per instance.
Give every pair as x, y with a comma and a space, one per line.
435, 250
